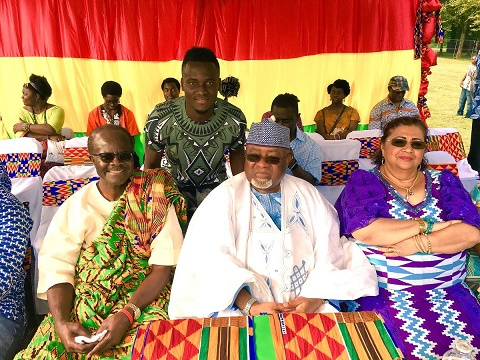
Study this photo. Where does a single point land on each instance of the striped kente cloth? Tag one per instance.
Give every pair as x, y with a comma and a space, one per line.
356, 335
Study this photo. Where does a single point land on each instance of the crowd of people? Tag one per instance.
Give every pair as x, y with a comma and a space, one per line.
187, 241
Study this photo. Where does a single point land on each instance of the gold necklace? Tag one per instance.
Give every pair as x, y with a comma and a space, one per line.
407, 189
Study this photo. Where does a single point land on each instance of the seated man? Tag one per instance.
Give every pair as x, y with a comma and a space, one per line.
106, 261
306, 163
15, 226
170, 88
266, 242
394, 105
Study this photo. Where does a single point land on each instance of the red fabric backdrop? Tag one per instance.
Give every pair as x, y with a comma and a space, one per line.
152, 30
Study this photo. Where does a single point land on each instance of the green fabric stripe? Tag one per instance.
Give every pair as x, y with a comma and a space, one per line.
387, 340
263, 338
242, 343
362, 127
309, 128
204, 344
348, 341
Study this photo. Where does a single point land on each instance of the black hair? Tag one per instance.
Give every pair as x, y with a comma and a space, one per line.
111, 88
340, 84
200, 54
171, 80
108, 127
40, 86
392, 125
286, 101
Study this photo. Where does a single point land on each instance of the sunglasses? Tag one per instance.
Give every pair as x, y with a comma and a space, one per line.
107, 157
401, 142
31, 85
272, 160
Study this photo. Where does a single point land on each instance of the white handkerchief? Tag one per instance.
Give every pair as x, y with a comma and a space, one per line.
94, 338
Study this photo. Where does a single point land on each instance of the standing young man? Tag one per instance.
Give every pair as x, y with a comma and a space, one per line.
195, 130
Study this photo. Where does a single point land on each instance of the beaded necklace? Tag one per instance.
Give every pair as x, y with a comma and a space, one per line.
35, 118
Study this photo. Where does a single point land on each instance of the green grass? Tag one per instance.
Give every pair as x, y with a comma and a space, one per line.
443, 94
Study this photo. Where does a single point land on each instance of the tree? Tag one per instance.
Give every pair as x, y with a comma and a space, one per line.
463, 14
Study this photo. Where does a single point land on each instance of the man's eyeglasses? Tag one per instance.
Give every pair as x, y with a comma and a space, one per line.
107, 157
272, 160
401, 142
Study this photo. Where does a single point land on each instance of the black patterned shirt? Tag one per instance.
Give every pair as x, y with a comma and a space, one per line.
195, 150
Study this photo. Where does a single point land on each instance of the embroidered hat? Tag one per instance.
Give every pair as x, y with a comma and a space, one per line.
398, 83
269, 133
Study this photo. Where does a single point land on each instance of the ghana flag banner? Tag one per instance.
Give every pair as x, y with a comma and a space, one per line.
271, 46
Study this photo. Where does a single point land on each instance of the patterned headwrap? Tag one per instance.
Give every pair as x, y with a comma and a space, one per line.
269, 133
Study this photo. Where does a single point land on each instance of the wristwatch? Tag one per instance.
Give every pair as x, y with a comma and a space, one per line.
246, 310
136, 311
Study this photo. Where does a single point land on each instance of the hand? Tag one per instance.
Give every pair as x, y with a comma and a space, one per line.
403, 248
18, 127
56, 137
303, 305
67, 332
116, 326
266, 308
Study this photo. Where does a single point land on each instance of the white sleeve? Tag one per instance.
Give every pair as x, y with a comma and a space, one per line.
165, 248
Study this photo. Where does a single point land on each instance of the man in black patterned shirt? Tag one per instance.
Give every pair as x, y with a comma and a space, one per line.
196, 130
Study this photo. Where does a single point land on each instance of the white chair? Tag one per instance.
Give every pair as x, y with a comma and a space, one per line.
370, 143
58, 183
316, 137
440, 160
339, 160
76, 151
22, 158
449, 140
446, 139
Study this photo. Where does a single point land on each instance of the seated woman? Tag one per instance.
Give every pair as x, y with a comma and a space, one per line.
335, 121
111, 111
414, 225
15, 226
38, 118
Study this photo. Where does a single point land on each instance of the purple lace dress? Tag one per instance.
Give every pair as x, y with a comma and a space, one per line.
423, 297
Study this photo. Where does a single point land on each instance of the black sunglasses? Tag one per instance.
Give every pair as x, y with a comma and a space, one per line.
401, 142
272, 160
107, 157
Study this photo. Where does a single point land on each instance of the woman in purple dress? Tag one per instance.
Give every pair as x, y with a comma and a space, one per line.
414, 226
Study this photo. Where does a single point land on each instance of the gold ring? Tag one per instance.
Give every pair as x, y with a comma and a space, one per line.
390, 249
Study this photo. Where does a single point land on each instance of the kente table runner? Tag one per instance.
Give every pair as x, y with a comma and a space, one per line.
355, 335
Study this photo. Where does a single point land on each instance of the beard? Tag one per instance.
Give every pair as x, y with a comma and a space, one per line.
261, 183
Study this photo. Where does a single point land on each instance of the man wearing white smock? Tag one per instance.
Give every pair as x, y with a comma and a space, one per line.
266, 242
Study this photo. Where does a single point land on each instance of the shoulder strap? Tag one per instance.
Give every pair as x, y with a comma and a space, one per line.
337, 121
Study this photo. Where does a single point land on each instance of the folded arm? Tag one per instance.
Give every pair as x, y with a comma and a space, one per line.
449, 240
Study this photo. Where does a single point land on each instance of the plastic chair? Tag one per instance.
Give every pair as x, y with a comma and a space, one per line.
58, 184
339, 160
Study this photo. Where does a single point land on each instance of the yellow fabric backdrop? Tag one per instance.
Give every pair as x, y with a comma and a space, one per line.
261, 81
